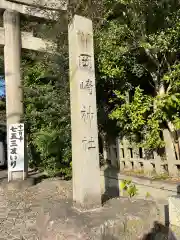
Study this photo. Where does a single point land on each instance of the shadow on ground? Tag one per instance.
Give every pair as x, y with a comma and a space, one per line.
2, 179
3, 173
110, 192
33, 176
159, 232
40, 178
37, 176
109, 237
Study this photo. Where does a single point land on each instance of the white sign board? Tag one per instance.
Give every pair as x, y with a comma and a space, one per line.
16, 148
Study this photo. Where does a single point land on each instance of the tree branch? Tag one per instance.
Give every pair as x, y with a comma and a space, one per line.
151, 57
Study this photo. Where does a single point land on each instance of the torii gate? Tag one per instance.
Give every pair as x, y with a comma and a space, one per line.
85, 151
13, 40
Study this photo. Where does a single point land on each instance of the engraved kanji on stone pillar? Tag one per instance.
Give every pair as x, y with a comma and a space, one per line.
85, 150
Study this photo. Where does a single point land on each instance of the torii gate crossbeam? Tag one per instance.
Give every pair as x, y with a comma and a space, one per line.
28, 41
32, 10
48, 4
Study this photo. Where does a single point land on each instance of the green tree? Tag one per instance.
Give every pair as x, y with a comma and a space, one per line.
138, 49
47, 119
46, 98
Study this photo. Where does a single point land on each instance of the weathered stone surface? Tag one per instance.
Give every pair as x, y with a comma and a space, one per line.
174, 210
170, 154
32, 43
48, 4
28, 10
174, 233
12, 57
85, 149
12, 54
148, 167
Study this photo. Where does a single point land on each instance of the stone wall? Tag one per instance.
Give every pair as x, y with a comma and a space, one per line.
128, 157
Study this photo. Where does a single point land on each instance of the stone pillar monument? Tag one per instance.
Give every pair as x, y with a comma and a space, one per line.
12, 59
85, 150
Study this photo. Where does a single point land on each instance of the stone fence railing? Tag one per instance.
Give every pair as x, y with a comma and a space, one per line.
129, 158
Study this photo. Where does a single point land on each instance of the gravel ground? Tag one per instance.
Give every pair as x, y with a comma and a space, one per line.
21, 212
44, 211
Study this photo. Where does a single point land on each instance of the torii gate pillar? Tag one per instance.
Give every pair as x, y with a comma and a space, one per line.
12, 58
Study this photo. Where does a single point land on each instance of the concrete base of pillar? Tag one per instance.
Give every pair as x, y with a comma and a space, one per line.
91, 203
174, 214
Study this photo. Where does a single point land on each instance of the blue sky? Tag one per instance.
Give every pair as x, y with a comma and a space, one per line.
2, 87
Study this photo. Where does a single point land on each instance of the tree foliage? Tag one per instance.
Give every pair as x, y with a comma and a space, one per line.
47, 119
138, 49
46, 98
